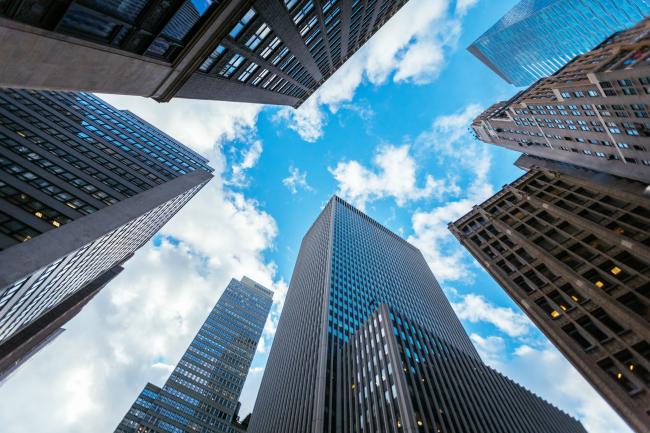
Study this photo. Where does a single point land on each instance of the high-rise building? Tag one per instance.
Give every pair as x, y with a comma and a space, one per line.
592, 113
537, 37
82, 186
202, 393
572, 248
329, 369
262, 51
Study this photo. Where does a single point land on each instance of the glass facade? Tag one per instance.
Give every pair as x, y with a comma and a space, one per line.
348, 266
537, 37
82, 187
202, 393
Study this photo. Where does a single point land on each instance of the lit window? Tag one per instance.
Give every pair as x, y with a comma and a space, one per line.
615, 270
600, 284
555, 314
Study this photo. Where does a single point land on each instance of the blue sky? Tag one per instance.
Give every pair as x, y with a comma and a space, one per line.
388, 132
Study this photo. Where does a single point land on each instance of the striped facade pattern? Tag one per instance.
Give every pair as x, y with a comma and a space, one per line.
572, 248
347, 267
398, 377
202, 393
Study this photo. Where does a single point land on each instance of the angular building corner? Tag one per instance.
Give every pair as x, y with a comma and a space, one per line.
261, 51
572, 248
368, 342
538, 37
202, 393
82, 187
592, 113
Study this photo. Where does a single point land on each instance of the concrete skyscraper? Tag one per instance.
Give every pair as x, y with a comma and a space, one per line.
537, 37
368, 342
202, 393
263, 51
592, 113
572, 248
82, 186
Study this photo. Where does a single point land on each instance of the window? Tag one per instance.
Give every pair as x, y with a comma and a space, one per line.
232, 65
234, 33
247, 72
213, 57
256, 39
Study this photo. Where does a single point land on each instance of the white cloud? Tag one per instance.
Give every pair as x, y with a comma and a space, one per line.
410, 47
296, 180
138, 326
552, 377
456, 150
197, 124
249, 158
475, 308
394, 176
490, 348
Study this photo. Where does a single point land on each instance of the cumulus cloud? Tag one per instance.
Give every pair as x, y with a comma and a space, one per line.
197, 124
296, 180
456, 150
409, 48
394, 176
475, 308
490, 348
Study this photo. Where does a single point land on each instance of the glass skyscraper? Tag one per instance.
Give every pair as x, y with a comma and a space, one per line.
202, 393
337, 364
82, 187
537, 37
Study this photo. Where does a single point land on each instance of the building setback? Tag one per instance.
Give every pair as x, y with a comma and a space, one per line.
262, 51
592, 113
202, 393
349, 270
82, 186
572, 249
537, 37
397, 376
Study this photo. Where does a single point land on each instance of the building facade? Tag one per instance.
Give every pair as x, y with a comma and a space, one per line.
82, 186
347, 268
202, 393
538, 37
262, 51
397, 376
572, 249
592, 113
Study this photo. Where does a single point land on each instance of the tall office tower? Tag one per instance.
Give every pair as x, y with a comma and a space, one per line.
262, 51
537, 37
202, 393
592, 113
82, 186
328, 372
572, 248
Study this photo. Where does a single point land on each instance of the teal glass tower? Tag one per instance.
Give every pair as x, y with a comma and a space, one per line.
368, 342
537, 37
202, 393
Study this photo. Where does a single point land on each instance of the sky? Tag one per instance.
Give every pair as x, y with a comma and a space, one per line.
389, 133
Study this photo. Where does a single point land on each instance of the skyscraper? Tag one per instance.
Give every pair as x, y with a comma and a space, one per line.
537, 37
202, 393
572, 248
263, 51
82, 186
592, 113
333, 367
